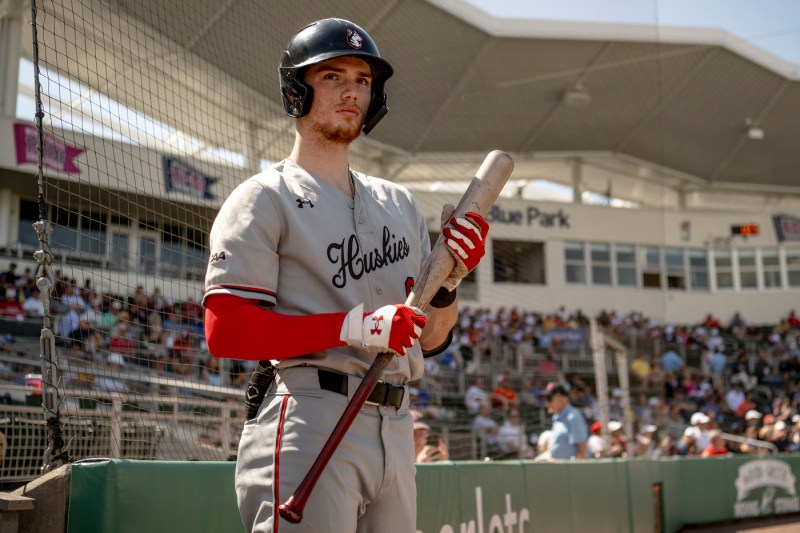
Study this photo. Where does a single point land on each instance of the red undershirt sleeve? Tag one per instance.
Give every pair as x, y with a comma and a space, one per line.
238, 328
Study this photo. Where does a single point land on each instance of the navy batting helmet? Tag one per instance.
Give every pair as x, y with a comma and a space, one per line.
326, 39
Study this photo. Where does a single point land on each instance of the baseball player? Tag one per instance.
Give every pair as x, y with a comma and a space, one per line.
310, 263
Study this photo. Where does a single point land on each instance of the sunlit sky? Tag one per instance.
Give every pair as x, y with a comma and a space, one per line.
773, 25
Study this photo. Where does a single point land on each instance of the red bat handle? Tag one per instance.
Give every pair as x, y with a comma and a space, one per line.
292, 509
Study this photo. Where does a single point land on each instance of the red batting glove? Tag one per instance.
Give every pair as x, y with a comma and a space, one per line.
466, 241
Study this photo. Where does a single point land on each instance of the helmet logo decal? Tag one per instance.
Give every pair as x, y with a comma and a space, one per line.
354, 39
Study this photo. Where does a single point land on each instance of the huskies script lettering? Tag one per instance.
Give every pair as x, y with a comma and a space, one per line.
352, 263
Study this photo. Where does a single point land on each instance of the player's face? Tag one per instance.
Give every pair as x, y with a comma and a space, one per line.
342, 92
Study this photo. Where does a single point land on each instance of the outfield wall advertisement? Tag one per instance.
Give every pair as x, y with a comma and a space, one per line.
469, 497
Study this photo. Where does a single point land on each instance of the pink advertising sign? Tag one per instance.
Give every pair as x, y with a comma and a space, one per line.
58, 155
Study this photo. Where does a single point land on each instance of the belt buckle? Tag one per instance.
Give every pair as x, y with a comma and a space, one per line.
378, 404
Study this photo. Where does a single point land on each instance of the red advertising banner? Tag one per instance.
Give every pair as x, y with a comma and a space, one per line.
58, 155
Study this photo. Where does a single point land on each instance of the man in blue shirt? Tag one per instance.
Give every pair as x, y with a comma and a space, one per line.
671, 361
719, 363
569, 433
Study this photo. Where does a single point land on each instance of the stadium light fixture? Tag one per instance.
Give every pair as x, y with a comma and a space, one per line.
577, 97
754, 133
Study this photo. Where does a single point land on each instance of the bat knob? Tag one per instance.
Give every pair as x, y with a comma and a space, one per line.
289, 513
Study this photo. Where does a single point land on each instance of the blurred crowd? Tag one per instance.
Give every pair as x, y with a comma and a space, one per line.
738, 394
144, 330
696, 389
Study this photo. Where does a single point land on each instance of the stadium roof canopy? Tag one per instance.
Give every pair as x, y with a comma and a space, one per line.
664, 116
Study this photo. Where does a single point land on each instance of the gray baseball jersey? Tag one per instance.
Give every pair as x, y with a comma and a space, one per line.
304, 246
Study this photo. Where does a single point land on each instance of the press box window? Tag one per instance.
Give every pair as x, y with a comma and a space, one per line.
770, 260
574, 262
698, 269
626, 265
676, 273
651, 267
600, 256
793, 266
724, 267
519, 262
28, 214
748, 278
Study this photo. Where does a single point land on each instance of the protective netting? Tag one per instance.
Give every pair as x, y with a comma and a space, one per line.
153, 111
147, 128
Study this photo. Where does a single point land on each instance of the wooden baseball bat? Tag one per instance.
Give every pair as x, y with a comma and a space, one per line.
479, 197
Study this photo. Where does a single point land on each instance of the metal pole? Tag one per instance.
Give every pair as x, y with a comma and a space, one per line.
624, 384
601, 377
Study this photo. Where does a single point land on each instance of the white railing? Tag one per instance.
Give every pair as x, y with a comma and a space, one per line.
117, 425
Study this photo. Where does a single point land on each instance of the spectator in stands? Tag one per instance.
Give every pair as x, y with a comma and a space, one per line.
618, 444
793, 320
762, 369
476, 395
671, 361
657, 375
794, 435
643, 409
9, 277
425, 450
212, 373
539, 390
484, 427
718, 364
780, 435
172, 325
569, 431
33, 304
547, 367
123, 339
716, 445
156, 301
595, 445
768, 422
110, 381
190, 311
735, 397
695, 438
80, 337
752, 418
542, 444
646, 441
68, 322
10, 306
640, 367
511, 437
110, 315
504, 394
715, 341
73, 299
674, 424
740, 371
751, 445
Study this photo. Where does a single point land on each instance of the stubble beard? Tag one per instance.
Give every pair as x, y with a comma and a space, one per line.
338, 133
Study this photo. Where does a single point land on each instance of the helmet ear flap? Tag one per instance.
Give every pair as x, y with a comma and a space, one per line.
296, 95
377, 110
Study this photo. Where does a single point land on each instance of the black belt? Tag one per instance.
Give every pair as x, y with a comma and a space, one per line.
382, 394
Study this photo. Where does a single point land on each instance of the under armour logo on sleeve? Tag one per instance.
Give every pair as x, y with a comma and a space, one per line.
301, 201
